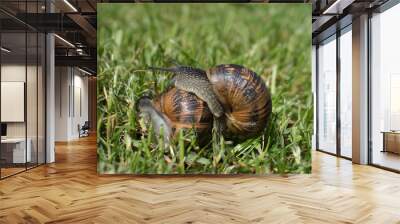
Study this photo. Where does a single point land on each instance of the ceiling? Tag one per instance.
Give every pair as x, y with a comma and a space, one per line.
73, 21
330, 15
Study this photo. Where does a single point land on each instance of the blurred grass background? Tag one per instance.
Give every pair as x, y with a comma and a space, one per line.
273, 40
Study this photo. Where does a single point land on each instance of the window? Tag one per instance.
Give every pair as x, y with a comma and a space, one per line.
327, 95
385, 88
22, 77
346, 92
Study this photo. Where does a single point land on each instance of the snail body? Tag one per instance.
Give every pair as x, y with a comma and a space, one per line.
195, 81
177, 109
232, 98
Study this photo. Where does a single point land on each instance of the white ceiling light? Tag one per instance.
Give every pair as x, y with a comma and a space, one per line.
79, 51
338, 6
65, 41
5, 50
86, 72
70, 5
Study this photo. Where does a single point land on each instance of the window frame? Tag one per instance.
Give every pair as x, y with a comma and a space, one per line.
339, 32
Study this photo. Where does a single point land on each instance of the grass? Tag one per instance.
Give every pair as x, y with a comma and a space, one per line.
273, 40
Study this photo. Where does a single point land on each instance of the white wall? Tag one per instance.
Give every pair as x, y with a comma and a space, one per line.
13, 72
62, 81
16, 73
33, 126
70, 83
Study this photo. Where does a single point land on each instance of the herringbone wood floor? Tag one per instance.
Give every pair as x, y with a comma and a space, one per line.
70, 191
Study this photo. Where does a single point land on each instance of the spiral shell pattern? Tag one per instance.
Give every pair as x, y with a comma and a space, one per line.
184, 110
245, 98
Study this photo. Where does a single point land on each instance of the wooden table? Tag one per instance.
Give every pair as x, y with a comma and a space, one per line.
391, 141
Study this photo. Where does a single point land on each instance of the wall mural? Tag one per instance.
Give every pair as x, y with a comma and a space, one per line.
204, 88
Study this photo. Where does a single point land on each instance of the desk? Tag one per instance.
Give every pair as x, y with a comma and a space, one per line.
13, 150
391, 141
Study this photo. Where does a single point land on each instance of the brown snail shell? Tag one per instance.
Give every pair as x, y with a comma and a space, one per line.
239, 100
245, 98
184, 110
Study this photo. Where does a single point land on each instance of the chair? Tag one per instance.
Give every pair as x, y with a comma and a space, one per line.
84, 130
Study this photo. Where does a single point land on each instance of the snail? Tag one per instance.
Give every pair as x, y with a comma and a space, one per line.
237, 97
177, 109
